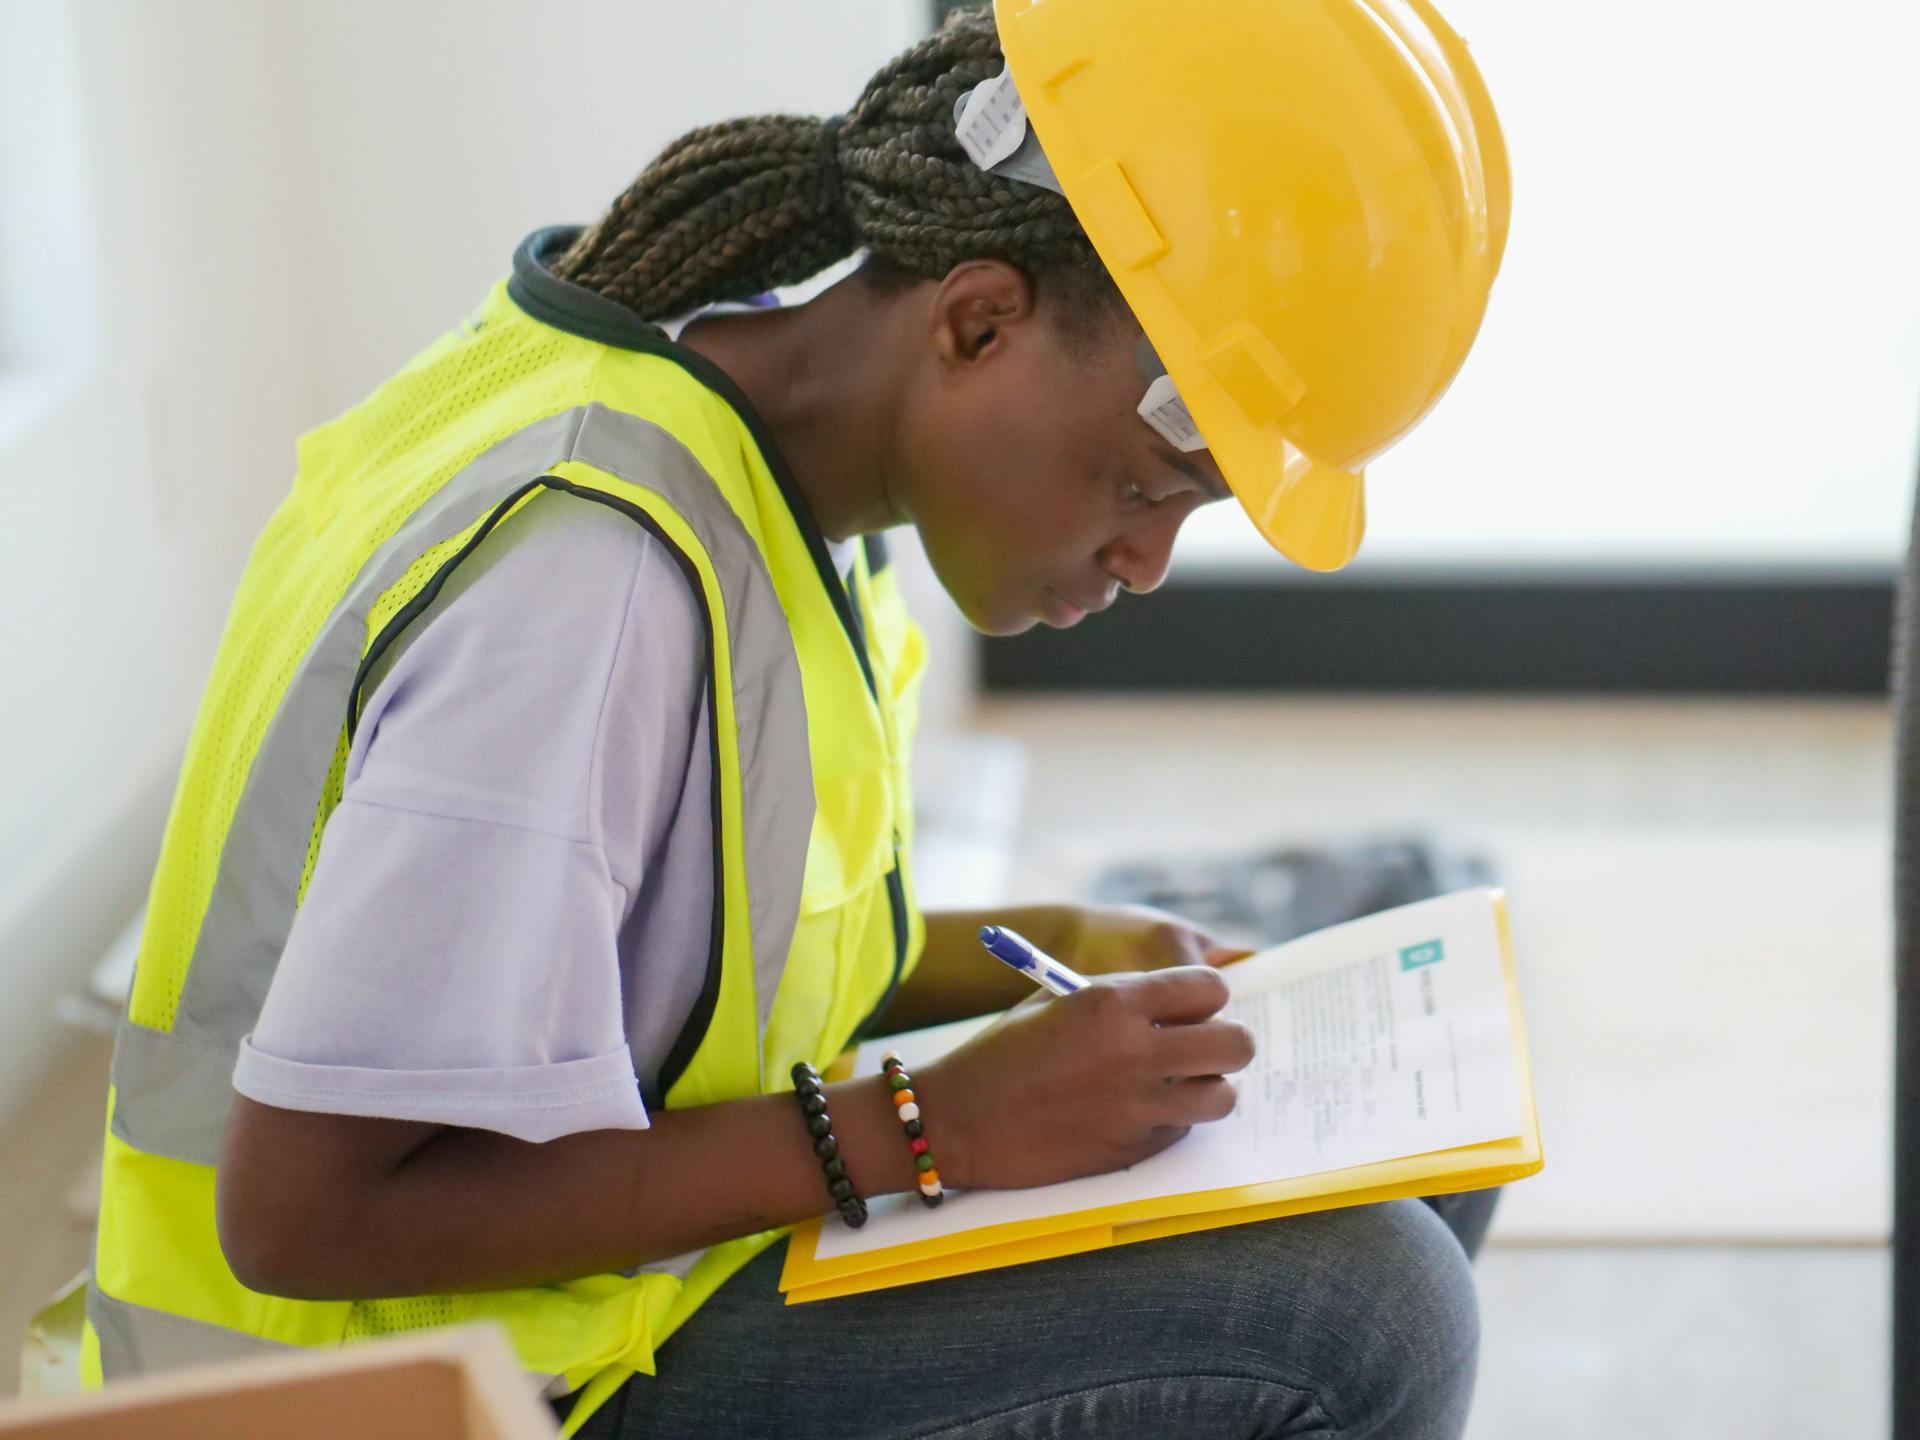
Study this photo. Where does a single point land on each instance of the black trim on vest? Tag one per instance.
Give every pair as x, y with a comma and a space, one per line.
681, 1052
579, 311
417, 606
896, 884
567, 306
897, 902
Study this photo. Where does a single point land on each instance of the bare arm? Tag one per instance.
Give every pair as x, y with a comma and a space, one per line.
335, 1206
956, 977
322, 1207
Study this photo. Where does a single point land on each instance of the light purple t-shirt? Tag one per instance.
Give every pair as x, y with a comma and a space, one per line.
509, 919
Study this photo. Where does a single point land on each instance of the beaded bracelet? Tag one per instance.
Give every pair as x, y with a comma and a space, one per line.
907, 1106
812, 1096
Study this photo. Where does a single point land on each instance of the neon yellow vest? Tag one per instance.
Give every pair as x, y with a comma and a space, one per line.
546, 388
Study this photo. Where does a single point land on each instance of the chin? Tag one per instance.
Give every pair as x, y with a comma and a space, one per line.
990, 608
997, 618
1001, 625
1016, 626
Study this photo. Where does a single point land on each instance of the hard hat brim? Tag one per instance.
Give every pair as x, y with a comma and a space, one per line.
1312, 513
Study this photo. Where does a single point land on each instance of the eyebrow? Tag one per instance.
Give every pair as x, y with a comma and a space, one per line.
1210, 487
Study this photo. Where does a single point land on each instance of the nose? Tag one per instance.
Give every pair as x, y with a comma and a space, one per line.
1139, 557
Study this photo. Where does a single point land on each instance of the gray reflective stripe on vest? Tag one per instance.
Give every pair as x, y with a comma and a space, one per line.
174, 1088
135, 1340
769, 707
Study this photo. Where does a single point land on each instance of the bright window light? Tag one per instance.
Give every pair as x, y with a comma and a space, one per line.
1703, 350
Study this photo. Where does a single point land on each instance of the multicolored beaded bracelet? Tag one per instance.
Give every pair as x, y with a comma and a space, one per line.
907, 1106
812, 1095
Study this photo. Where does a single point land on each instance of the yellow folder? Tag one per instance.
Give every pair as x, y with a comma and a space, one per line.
810, 1276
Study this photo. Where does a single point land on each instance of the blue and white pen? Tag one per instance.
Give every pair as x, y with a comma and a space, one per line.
1038, 966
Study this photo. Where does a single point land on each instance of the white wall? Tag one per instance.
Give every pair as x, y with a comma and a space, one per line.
151, 431
235, 217
430, 137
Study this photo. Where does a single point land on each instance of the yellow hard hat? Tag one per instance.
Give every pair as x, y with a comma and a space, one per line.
1302, 201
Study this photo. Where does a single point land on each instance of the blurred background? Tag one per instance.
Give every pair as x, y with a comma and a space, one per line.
1618, 637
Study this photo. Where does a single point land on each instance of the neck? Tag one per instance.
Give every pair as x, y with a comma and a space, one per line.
819, 376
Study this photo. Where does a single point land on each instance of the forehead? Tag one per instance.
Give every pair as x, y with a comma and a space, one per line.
1094, 376
1103, 379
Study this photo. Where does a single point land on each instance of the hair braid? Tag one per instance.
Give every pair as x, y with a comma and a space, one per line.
731, 210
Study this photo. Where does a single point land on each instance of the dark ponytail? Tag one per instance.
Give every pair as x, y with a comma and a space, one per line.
732, 210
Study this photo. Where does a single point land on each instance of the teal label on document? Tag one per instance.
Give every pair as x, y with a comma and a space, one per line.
1429, 952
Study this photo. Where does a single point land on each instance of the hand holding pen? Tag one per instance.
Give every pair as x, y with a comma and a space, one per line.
1112, 1072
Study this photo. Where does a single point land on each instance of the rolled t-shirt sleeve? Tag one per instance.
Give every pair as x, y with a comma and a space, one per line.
456, 958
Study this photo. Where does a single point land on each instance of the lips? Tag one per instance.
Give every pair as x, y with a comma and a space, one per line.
1064, 611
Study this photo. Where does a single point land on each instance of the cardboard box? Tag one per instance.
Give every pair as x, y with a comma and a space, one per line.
460, 1384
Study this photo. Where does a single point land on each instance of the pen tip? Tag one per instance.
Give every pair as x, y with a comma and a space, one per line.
989, 934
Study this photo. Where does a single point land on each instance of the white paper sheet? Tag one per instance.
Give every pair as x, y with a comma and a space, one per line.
1383, 1037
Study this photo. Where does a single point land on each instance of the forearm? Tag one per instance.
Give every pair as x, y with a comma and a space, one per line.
321, 1207
957, 978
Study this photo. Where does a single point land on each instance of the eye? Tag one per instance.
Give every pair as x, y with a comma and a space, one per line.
1134, 495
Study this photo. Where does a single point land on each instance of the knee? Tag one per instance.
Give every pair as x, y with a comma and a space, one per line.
1406, 1304
1367, 1313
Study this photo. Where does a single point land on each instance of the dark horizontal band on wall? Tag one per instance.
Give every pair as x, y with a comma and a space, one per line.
1607, 635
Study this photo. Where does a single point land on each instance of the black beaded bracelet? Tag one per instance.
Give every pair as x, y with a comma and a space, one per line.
812, 1095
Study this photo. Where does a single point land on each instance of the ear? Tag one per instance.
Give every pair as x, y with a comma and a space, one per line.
979, 308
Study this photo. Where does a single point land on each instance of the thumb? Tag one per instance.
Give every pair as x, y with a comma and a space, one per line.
1217, 952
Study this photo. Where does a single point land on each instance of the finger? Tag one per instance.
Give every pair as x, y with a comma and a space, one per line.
1175, 942
1179, 942
1199, 1101
1208, 1047
1162, 939
1180, 995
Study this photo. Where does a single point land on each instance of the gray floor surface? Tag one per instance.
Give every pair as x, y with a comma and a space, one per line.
1683, 1343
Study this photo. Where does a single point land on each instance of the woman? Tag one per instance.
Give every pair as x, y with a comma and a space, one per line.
548, 808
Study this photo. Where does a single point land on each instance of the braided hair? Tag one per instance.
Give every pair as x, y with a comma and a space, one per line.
732, 210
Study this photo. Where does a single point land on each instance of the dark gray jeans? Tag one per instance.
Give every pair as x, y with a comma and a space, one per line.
1358, 1324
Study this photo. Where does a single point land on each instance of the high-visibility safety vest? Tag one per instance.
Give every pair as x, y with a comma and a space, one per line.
546, 388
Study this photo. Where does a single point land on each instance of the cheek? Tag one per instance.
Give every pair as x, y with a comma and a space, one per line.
1007, 506
1035, 517
993, 542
